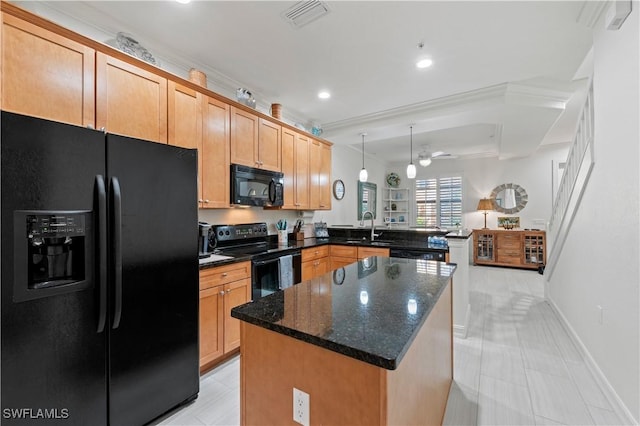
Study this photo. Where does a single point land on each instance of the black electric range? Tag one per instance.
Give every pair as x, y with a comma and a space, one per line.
273, 267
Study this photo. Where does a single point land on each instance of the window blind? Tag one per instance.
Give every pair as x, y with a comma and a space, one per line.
438, 202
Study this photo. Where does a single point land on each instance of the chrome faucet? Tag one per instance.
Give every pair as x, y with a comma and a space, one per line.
364, 216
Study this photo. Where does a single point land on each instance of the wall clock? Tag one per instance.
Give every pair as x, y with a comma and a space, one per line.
338, 189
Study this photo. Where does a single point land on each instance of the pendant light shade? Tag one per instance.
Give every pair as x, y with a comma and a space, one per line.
411, 168
363, 173
411, 171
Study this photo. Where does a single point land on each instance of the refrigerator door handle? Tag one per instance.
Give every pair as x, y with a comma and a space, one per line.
101, 199
116, 241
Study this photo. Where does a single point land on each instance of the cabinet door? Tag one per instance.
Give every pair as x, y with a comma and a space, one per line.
215, 154
46, 75
236, 293
130, 101
244, 138
269, 155
185, 123
288, 168
324, 178
302, 172
315, 152
211, 324
372, 251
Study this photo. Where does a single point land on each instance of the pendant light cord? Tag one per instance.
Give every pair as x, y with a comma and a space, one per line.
411, 144
363, 150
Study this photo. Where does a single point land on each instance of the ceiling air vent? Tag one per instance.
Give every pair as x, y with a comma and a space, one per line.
305, 12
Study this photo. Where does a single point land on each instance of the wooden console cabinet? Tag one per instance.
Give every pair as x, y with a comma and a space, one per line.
519, 249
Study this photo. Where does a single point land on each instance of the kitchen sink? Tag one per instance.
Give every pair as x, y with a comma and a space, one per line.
381, 243
355, 241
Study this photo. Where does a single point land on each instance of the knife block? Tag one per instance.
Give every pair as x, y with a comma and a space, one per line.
298, 236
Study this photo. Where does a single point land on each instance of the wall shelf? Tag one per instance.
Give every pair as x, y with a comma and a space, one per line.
396, 207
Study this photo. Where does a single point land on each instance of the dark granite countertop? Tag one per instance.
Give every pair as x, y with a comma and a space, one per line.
371, 313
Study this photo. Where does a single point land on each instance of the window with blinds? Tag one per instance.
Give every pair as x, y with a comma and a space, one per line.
439, 202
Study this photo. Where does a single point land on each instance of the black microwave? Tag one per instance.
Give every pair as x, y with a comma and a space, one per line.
256, 187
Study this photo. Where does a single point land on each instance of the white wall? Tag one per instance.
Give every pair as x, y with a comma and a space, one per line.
480, 176
599, 263
345, 165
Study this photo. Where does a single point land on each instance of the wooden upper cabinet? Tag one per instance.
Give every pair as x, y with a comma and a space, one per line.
324, 178
215, 154
130, 101
185, 122
255, 142
244, 137
295, 166
200, 122
269, 152
320, 175
46, 75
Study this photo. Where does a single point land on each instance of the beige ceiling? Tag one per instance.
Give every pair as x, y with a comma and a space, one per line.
507, 76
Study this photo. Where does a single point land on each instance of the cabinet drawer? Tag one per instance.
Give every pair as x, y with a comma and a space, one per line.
344, 251
315, 253
372, 251
509, 244
511, 256
224, 274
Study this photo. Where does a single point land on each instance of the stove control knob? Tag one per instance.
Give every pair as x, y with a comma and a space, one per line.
226, 233
220, 233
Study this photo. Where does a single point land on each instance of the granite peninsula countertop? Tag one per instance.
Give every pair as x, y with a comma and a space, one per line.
370, 310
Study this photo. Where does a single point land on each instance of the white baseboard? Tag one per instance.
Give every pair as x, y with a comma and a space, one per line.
609, 392
461, 330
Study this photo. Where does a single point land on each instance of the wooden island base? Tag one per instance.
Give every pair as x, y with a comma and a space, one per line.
343, 390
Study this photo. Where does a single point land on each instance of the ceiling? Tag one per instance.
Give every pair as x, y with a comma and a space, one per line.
507, 76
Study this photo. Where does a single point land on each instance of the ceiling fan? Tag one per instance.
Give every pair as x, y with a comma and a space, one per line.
425, 156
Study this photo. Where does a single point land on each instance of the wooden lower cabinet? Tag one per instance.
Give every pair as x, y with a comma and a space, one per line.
315, 262
342, 256
221, 289
372, 251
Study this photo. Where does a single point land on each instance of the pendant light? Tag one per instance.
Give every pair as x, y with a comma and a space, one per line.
363, 173
411, 168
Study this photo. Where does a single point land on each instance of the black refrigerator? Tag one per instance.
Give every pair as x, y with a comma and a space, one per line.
99, 276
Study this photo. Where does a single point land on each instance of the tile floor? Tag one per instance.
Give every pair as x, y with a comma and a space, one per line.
517, 365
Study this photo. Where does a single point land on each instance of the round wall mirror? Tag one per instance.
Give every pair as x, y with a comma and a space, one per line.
509, 198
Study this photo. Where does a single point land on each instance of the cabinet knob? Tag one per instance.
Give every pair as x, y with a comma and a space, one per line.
221, 292
228, 290
201, 201
224, 274
206, 201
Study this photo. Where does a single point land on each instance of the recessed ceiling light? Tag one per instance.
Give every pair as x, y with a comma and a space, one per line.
324, 95
424, 63
183, 1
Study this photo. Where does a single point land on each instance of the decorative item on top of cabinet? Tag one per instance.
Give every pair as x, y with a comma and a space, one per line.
519, 249
130, 101
34, 62
221, 289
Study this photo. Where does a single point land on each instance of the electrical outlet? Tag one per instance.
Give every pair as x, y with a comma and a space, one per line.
300, 407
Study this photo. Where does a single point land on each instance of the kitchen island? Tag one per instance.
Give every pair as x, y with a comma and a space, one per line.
371, 343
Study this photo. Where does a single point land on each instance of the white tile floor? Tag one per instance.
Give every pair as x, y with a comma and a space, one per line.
517, 365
